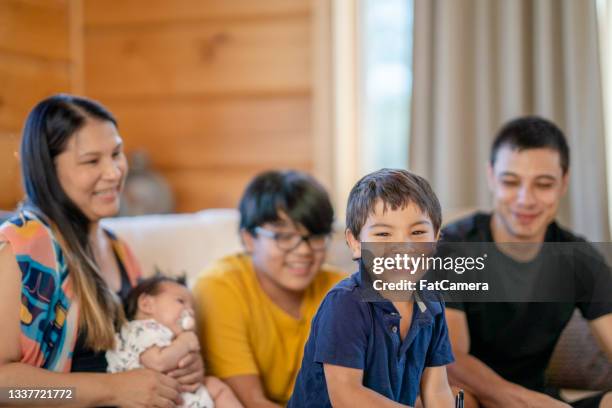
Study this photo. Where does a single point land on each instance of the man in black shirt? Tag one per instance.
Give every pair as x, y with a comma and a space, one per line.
502, 348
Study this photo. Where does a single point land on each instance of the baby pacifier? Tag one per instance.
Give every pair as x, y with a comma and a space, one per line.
186, 321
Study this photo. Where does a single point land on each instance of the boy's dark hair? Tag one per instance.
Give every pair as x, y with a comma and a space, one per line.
295, 193
532, 132
148, 286
396, 189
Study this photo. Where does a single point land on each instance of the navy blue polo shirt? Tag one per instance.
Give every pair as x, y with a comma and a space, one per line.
350, 332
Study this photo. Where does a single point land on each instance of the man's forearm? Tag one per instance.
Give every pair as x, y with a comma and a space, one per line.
491, 390
478, 378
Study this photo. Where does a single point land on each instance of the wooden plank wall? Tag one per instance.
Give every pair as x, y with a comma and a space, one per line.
35, 62
214, 90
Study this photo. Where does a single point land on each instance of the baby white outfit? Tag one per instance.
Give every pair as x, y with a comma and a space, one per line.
136, 337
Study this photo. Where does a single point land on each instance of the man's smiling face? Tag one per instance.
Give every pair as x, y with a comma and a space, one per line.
527, 186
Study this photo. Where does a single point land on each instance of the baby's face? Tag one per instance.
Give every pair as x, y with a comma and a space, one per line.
168, 305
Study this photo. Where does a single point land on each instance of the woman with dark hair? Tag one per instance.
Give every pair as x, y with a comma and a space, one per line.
62, 276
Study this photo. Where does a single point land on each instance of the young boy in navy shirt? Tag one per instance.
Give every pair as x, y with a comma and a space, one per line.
383, 353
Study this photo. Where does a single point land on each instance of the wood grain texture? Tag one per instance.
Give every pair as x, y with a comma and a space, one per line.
35, 28
76, 34
9, 171
34, 63
214, 90
24, 82
217, 132
188, 59
130, 12
218, 187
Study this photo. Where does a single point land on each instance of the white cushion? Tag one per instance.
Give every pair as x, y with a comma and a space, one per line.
188, 243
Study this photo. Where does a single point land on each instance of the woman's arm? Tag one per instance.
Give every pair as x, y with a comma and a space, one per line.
136, 388
167, 358
17, 375
132, 389
10, 306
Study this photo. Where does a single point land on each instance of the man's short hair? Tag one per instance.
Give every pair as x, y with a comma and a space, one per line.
296, 194
396, 189
532, 132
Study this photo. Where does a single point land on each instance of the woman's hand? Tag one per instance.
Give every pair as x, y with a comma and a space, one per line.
190, 372
144, 388
190, 339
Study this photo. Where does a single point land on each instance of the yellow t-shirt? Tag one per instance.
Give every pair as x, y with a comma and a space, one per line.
243, 332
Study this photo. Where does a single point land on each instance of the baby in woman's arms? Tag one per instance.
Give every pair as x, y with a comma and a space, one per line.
159, 333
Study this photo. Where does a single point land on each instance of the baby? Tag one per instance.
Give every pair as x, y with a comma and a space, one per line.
159, 333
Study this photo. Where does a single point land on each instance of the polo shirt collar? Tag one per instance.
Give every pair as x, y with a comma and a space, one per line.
427, 308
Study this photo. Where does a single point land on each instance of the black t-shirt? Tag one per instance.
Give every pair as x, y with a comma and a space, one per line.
516, 339
85, 359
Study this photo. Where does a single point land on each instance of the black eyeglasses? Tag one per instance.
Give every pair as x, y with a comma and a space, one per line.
288, 241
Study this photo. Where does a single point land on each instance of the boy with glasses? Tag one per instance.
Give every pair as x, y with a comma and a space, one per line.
255, 308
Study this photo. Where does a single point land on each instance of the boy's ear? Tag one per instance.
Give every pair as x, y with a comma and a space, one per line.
145, 304
353, 243
247, 240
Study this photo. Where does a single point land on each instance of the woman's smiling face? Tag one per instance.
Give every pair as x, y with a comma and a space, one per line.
92, 169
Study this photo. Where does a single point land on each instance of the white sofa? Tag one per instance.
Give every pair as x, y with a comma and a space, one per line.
188, 243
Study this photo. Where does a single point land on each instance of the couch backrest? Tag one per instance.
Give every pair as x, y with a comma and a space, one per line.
188, 243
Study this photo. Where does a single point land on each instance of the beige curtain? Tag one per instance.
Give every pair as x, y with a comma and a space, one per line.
478, 63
